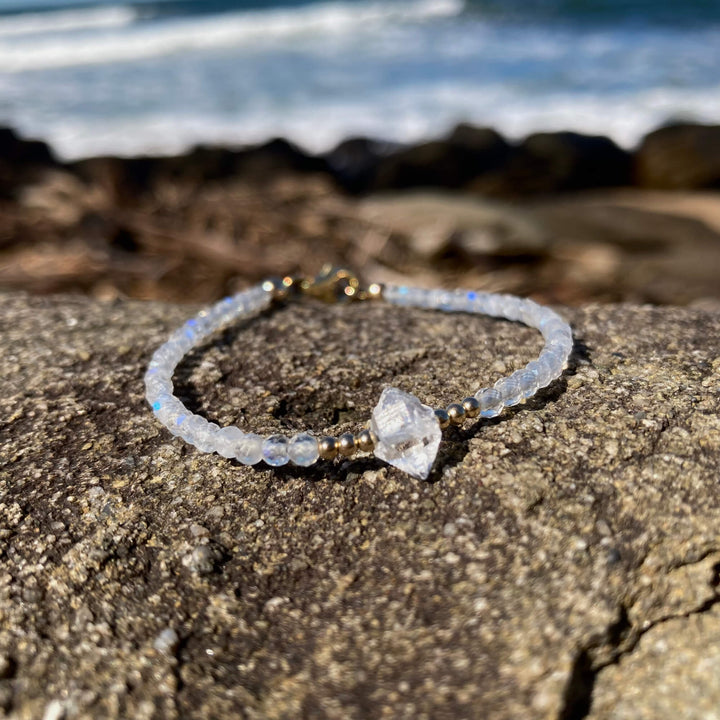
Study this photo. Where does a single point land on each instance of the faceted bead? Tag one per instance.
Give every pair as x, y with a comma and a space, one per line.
275, 450
206, 441
161, 401
176, 428
528, 382
200, 433
491, 402
303, 450
227, 441
170, 411
556, 359
510, 390
249, 449
543, 369
407, 432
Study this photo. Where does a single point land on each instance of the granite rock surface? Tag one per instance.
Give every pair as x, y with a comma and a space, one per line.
561, 562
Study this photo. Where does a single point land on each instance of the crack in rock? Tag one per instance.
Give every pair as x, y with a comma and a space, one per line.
623, 636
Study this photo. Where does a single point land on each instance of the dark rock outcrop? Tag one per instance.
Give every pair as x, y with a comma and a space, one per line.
354, 162
21, 161
680, 157
125, 178
466, 154
566, 161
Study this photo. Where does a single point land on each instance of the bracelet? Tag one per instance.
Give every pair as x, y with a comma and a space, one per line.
402, 431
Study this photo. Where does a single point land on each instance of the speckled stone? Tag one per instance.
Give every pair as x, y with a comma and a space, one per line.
535, 575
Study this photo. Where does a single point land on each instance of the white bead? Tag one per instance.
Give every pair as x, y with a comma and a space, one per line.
157, 385
303, 450
227, 439
528, 382
510, 390
491, 402
170, 412
176, 428
194, 431
275, 450
542, 370
249, 449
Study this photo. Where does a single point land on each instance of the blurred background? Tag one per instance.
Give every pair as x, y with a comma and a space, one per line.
565, 149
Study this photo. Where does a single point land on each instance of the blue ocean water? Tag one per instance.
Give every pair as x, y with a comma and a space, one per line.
102, 76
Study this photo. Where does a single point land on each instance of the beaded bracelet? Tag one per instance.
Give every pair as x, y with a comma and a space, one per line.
402, 431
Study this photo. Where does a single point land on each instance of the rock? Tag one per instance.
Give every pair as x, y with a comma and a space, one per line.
684, 156
123, 179
658, 247
167, 641
559, 162
551, 546
679, 681
21, 162
261, 163
480, 160
468, 153
354, 162
466, 228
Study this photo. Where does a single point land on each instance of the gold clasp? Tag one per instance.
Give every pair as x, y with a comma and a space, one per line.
335, 284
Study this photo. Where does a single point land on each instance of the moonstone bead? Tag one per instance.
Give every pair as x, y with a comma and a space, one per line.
227, 439
528, 381
176, 427
249, 449
275, 450
510, 390
303, 450
544, 370
200, 433
491, 402
170, 412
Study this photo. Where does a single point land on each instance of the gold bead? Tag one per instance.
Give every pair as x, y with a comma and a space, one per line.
456, 413
346, 444
365, 441
328, 447
443, 418
472, 406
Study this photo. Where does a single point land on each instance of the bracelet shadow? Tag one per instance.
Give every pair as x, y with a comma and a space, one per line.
185, 389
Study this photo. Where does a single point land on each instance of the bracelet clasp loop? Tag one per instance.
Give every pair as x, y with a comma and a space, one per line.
336, 284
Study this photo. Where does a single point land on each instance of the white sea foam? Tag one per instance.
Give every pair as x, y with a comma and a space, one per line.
415, 116
147, 40
62, 21
401, 70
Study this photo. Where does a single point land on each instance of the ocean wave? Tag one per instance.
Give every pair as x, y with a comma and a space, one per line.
417, 115
147, 40
62, 21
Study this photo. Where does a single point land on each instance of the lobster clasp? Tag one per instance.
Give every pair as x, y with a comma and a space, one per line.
335, 284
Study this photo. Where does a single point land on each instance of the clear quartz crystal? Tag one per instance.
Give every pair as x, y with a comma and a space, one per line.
407, 432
